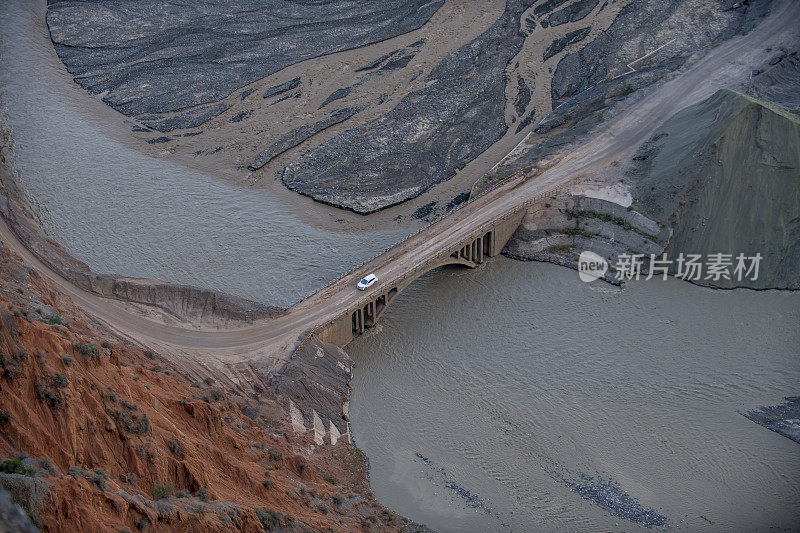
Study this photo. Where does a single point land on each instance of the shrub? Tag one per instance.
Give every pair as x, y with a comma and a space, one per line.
99, 478
269, 519
560, 248
15, 466
149, 354
183, 493
202, 494
267, 484
627, 89
55, 401
87, 349
128, 405
67, 360
60, 380
56, 320
338, 499
329, 478
77, 471
131, 421
161, 491
47, 465
4, 418
177, 448
275, 455
322, 508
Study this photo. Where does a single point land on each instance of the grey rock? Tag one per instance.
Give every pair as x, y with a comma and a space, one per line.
775, 60
744, 155
26, 491
288, 96
188, 119
336, 95
525, 122
158, 56
562, 42
633, 29
317, 380
547, 7
783, 419
780, 84
372, 65
240, 116
523, 96
572, 12
159, 140
12, 517
433, 131
282, 87
298, 135
398, 62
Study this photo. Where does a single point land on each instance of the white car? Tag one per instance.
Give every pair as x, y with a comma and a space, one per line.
368, 281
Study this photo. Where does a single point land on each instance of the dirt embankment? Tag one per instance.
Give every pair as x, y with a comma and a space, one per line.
183, 301
100, 436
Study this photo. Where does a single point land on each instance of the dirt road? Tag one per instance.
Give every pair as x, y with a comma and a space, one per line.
725, 66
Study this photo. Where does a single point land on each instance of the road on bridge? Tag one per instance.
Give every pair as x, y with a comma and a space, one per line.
202, 347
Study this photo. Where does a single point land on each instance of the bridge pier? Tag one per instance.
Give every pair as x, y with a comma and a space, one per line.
488, 243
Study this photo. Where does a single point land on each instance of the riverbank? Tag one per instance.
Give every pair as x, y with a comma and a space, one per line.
559, 404
101, 435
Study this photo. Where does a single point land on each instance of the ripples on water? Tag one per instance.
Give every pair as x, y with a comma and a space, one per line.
123, 212
515, 377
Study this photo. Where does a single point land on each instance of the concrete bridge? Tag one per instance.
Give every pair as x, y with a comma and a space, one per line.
487, 241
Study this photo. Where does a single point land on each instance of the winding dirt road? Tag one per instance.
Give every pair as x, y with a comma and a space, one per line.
725, 66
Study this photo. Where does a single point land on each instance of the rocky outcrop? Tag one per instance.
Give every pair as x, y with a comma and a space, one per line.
298, 135
779, 82
317, 383
783, 419
566, 225
12, 518
426, 137
161, 56
737, 193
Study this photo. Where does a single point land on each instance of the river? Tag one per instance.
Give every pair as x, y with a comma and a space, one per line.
123, 212
483, 396
513, 380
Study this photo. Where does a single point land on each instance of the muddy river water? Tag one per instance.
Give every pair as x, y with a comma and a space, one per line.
511, 397
123, 212
485, 395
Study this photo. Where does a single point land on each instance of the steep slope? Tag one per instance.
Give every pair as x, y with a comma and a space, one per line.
100, 436
725, 176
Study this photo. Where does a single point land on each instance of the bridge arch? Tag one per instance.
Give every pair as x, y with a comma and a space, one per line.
488, 242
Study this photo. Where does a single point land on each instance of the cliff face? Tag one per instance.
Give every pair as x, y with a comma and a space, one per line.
100, 436
725, 176
722, 176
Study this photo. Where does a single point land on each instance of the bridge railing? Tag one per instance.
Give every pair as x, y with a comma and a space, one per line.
431, 260
515, 175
